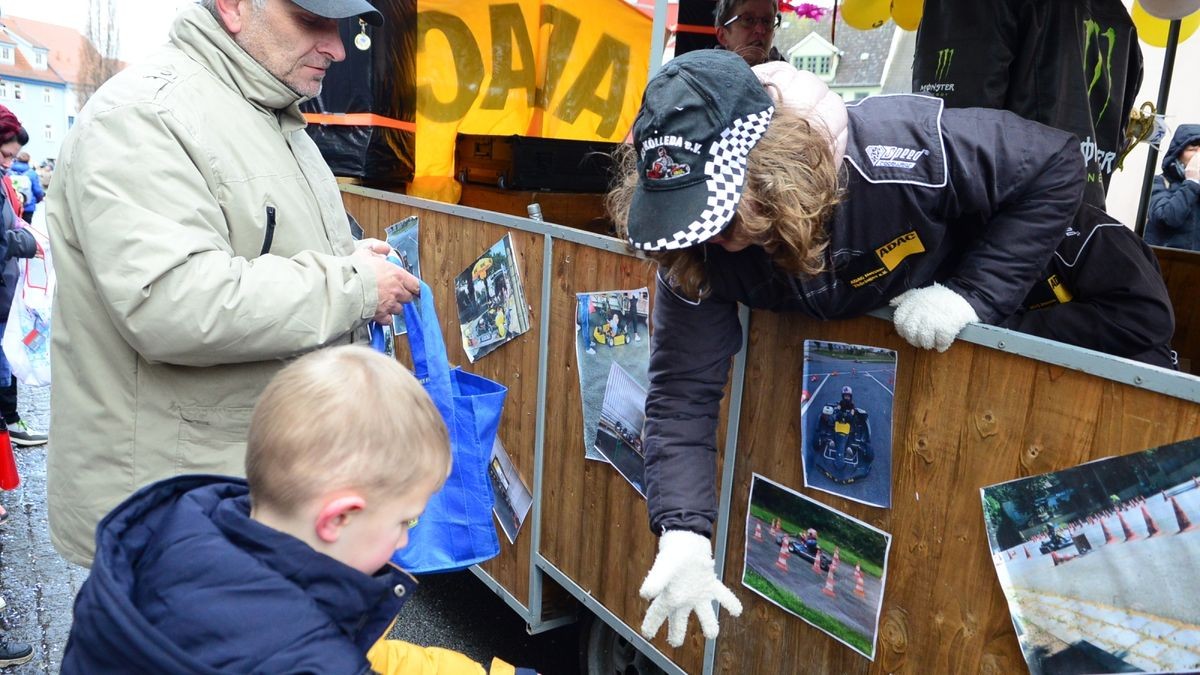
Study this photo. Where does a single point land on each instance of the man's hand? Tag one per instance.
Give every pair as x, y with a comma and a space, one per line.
396, 285
683, 581
931, 317
373, 245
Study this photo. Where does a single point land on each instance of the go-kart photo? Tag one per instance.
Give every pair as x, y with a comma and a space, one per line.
796, 547
841, 448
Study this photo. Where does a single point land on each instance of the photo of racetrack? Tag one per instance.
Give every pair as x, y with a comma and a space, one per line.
816, 563
601, 341
1098, 562
846, 420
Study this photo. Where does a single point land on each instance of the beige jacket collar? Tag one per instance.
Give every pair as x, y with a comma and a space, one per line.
198, 34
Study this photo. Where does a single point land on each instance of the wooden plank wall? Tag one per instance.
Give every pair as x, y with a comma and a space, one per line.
1181, 271
964, 419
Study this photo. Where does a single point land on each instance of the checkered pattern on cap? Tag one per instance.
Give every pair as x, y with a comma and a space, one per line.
726, 176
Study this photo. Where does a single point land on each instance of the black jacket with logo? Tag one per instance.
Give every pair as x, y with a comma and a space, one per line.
1075, 65
976, 199
1102, 290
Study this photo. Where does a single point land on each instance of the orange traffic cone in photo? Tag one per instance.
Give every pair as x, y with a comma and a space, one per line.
1181, 518
829, 582
837, 558
9, 478
758, 532
1026, 549
781, 561
1108, 537
817, 563
1130, 535
858, 582
1151, 526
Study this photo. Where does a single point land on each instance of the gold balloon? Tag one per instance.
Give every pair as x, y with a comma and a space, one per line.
1153, 30
907, 13
865, 14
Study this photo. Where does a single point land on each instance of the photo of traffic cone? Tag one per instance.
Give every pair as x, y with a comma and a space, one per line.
1108, 537
817, 563
1151, 526
758, 532
1026, 549
781, 561
837, 558
1181, 518
858, 582
829, 582
1130, 535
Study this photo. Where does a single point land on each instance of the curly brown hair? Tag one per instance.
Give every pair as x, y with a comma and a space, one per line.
792, 186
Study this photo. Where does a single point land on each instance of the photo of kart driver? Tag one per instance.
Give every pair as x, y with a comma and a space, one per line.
841, 455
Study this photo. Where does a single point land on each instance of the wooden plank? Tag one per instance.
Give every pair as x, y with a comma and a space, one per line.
1181, 272
962, 420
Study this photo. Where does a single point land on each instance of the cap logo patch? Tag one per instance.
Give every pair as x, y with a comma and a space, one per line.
665, 167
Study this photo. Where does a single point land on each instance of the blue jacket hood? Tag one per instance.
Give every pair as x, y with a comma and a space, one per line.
185, 581
20, 167
1184, 135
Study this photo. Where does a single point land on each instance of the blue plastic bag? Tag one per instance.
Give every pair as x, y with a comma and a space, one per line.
456, 529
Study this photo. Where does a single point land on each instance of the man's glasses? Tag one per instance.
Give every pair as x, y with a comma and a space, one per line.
763, 22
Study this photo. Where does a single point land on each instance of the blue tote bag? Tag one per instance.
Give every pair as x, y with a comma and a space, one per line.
456, 529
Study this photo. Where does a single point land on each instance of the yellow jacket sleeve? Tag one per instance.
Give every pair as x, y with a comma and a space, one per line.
396, 657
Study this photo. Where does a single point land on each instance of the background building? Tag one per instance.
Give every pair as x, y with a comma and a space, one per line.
41, 70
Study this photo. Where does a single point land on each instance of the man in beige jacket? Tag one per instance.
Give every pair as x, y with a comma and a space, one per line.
200, 242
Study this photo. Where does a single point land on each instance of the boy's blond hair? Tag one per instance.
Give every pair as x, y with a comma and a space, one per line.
343, 418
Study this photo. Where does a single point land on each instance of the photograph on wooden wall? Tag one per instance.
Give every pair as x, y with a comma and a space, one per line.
491, 300
1099, 562
619, 431
610, 327
817, 563
402, 236
513, 498
846, 420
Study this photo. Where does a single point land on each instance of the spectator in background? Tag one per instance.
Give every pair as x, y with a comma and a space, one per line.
747, 28
178, 297
15, 243
36, 191
45, 172
1174, 218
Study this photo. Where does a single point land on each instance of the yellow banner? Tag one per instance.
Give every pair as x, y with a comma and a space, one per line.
547, 68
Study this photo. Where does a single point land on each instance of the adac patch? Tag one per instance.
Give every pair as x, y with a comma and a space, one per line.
887, 258
1048, 293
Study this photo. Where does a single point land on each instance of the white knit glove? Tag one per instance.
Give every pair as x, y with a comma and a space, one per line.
683, 581
931, 317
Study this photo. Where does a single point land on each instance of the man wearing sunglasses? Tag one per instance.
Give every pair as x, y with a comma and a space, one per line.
747, 28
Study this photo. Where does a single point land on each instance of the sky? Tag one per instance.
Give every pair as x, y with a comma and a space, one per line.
143, 23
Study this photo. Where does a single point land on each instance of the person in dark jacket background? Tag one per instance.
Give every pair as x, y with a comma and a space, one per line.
15, 243
1174, 216
795, 202
287, 571
1075, 65
37, 192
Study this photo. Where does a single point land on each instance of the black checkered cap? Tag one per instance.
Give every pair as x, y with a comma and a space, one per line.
707, 110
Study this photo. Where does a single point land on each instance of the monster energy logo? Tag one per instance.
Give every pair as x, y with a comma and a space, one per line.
1103, 67
945, 56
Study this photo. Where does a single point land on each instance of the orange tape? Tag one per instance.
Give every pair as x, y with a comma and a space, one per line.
359, 120
688, 28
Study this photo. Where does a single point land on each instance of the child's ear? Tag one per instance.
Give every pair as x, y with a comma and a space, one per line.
335, 514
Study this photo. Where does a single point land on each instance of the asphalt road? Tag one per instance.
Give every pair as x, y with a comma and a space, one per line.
800, 580
873, 385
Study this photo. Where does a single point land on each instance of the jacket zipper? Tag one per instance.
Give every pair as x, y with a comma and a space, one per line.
266, 247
